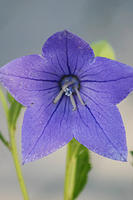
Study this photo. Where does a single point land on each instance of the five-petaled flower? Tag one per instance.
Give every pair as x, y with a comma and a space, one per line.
69, 93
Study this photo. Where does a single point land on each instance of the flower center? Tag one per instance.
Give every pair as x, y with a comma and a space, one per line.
70, 86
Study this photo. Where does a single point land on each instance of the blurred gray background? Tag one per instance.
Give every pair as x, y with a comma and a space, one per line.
24, 27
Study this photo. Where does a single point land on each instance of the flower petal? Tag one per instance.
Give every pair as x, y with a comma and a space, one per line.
46, 128
100, 129
27, 80
108, 80
67, 53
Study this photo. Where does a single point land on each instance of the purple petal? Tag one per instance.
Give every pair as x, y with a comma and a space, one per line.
46, 128
100, 129
107, 80
67, 53
27, 79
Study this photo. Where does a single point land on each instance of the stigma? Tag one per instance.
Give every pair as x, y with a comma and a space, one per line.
70, 86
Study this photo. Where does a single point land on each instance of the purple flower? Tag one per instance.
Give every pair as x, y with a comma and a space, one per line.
69, 93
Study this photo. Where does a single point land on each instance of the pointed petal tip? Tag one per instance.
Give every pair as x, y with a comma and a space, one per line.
24, 161
119, 156
66, 31
27, 160
124, 158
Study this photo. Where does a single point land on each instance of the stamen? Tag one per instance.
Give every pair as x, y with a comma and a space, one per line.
67, 85
64, 87
78, 94
73, 102
57, 98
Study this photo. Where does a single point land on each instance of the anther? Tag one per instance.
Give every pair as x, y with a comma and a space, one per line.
73, 102
79, 97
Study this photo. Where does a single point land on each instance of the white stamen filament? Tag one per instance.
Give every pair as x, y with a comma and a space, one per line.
57, 98
78, 94
73, 102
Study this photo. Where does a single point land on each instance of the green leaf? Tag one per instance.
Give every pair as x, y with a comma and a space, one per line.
4, 141
131, 153
78, 166
14, 111
103, 48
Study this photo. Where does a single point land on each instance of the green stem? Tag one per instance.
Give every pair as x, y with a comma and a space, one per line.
4, 103
70, 173
5, 142
13, 147
17, 164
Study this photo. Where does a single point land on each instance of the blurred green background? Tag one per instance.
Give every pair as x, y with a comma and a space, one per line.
24, 27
